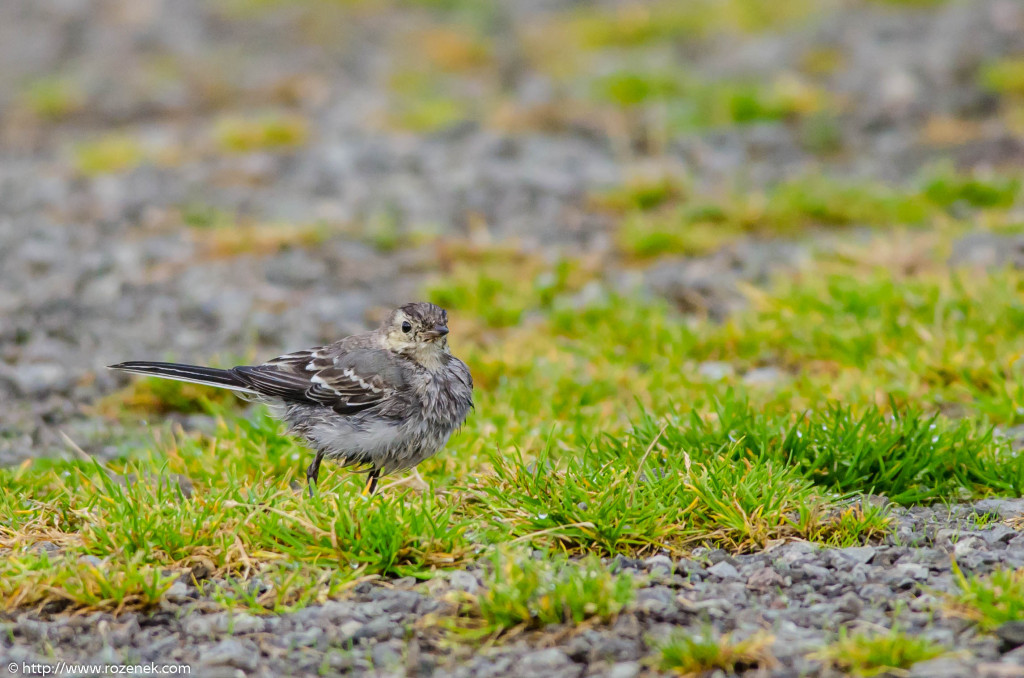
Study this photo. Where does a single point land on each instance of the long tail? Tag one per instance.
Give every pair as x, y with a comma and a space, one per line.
195, 374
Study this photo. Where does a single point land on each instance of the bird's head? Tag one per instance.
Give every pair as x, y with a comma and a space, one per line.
418, 330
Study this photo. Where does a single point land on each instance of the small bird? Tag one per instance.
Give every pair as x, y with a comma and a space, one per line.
384, 400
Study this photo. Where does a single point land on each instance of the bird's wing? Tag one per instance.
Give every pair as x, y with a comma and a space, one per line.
346, 381
310, 360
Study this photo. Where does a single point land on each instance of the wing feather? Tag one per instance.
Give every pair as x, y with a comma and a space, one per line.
348, 382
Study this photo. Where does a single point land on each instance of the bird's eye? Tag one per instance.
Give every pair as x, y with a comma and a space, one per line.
407, 327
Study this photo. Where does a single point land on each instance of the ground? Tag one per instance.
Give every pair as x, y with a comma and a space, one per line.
739, 283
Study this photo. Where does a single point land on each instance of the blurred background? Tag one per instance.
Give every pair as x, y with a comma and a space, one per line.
231, 179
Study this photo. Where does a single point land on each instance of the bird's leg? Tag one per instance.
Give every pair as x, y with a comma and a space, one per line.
313, 472
418, 483
371, 483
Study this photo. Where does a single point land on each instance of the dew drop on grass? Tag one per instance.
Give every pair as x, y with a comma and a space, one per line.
932, 427
295, 456
935, 439
541, 516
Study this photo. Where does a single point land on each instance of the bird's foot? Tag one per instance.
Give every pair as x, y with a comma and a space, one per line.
414, 481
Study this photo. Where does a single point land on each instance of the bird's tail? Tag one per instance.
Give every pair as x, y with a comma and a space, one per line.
195, 374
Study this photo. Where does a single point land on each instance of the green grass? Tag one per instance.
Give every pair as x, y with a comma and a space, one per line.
505, 284
107, 154
162, 396
1005, 76
687, 104
585, 440
866, 654
242, 518
523, 592
645, 493
236, 134
990, 600
662, 218
636, 25
691, 654
220, 233
53, 98
944, 187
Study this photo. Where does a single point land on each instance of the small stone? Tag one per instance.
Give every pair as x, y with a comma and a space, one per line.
623, 670
245, 623
45, 547
724, 570
850, 603
179, 592
659, 563
461, 580
763, 376
1005, 508
716, 556
349, 629
912, 570
793, 551
385, 656
396, 601
376, 629
998, 535
551, 663
714, 370
968, 545
998, 670
941, 667
38, 379
230, 652
765, 579
1011, 634
656, 600
858, 554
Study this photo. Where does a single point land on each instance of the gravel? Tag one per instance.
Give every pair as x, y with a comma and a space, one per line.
802, 593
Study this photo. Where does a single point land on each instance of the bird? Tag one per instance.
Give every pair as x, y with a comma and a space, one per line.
383, 400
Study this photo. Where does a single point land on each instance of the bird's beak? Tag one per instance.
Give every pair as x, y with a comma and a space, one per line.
438, 332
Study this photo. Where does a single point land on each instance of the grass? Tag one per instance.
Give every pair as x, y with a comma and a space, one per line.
688, 104
504, 283
162, 396
237, 134
223, 234
866, 654
1004, 76
107, 154
135, 519
455, 69
427, 100
638, 24
696, 654
523, 593
990, 600
53, 98
641, 497
645, 451
660, 216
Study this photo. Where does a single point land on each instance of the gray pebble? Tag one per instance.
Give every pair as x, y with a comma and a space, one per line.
724, 570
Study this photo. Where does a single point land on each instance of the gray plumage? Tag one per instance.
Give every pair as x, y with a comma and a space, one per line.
385, 400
